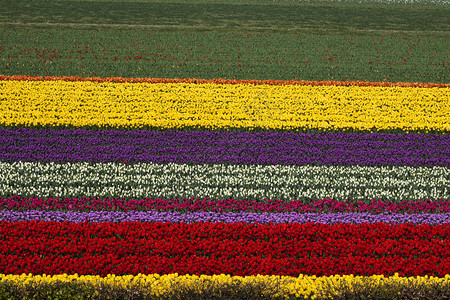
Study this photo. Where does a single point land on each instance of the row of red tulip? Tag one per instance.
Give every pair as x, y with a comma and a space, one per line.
218, 248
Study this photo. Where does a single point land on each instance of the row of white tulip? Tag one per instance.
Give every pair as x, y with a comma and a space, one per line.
253, 182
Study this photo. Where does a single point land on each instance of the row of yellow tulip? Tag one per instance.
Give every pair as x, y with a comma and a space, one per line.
177, 105
299, 286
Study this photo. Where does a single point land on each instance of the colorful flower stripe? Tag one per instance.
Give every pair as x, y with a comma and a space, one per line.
217, 248
231, 217
17, 203
302, 285
172, 181
180, 105
296, 286
222, 147
224, 81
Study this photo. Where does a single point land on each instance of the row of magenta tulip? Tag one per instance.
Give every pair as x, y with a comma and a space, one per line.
376, 206
217, 248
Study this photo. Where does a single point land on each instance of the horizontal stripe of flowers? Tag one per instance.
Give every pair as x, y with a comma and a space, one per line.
212, 106
229, 217
250, 182
302, 285
213, 147
223, 81
240, 249
17, 203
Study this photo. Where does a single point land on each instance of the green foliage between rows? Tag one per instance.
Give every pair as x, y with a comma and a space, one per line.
236, 129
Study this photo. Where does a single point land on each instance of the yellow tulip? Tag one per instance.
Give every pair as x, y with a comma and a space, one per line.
210, 105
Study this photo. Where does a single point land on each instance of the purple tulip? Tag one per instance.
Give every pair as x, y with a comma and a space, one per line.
225, 147
263, 218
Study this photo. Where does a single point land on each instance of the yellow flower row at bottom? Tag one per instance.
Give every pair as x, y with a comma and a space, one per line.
288, 286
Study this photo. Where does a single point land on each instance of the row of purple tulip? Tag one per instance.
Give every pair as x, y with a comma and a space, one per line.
232, 147
230, 217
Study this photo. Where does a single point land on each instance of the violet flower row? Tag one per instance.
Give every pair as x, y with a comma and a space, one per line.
242, 217
17, 203
219, 147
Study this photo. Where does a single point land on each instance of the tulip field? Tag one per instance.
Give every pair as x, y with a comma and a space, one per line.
151, 148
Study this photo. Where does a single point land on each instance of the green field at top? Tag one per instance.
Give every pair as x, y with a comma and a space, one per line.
280, 2
236, 39
279, 16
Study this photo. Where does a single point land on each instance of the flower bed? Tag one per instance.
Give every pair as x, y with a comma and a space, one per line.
148, 186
